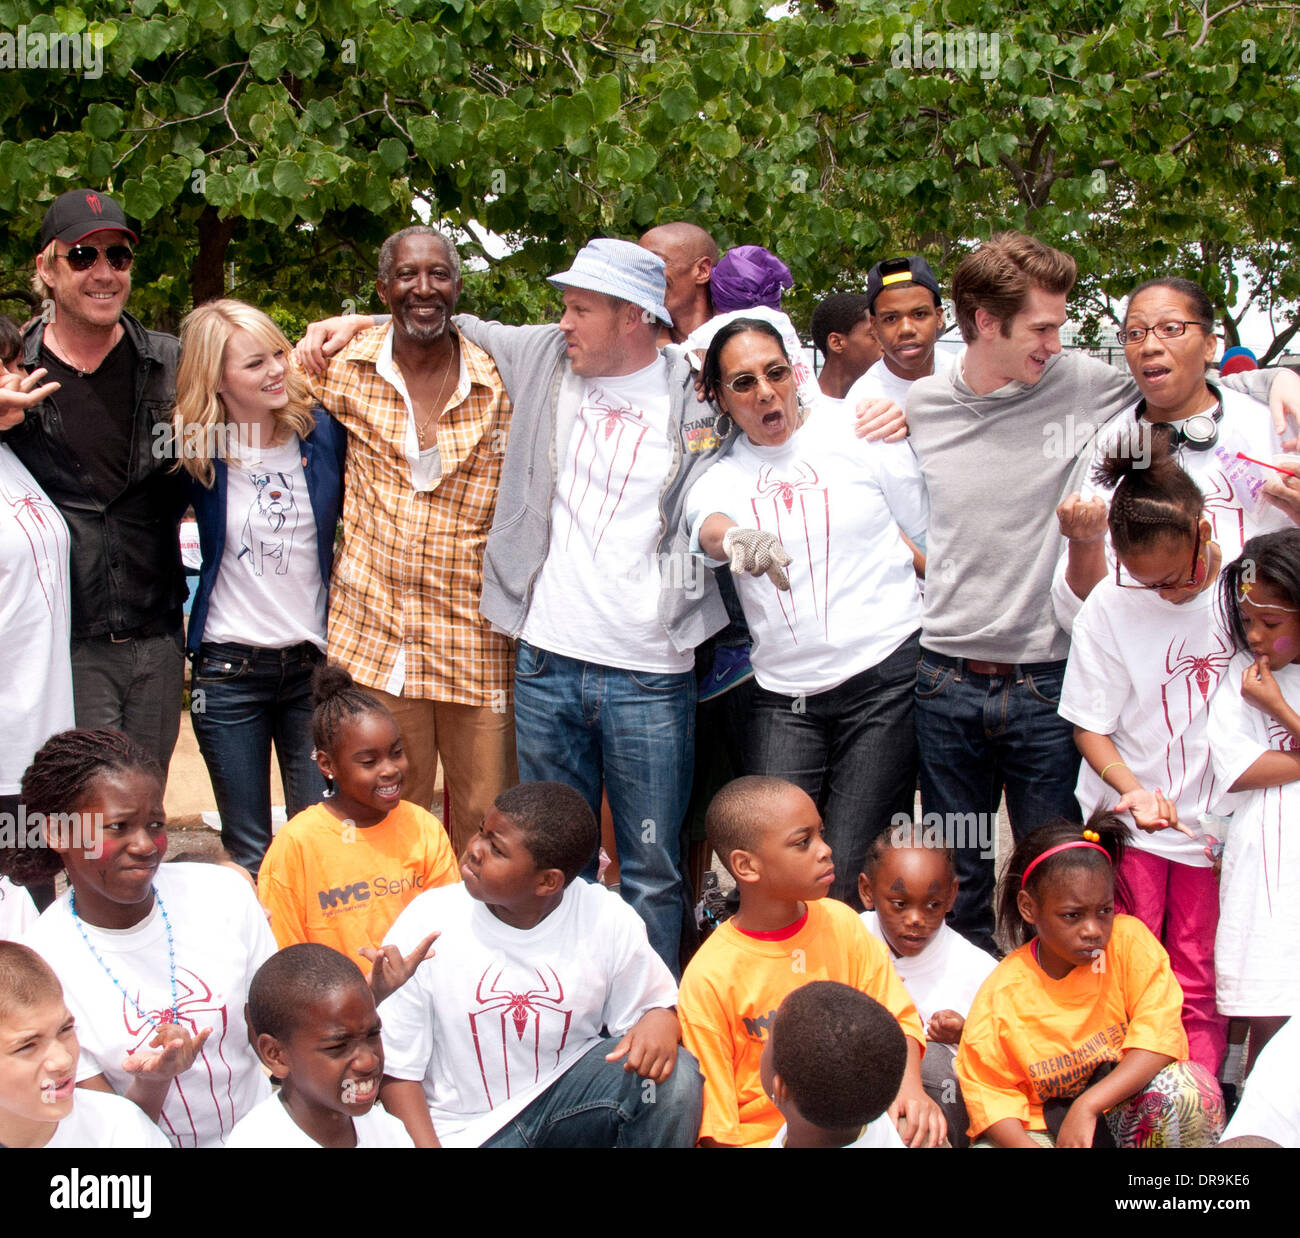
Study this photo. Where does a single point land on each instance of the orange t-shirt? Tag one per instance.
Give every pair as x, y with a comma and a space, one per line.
1029, 1038
730, 993
343, 886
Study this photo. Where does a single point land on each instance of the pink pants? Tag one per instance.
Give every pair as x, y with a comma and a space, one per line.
1180, 905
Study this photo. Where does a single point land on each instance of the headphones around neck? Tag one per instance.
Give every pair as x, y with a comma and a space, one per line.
1199, 432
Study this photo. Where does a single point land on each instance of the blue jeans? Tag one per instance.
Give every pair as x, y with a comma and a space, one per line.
598, 1104
852, 748
977, 734
241, 700
632, 731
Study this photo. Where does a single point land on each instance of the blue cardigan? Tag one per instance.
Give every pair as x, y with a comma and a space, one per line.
323, 451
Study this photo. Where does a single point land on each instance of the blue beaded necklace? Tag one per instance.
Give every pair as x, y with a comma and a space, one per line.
174, 1012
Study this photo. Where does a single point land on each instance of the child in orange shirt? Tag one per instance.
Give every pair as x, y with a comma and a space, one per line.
1084, 1019
341, 871
787, 933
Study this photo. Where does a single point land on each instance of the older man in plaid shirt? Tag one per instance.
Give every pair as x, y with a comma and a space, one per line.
427, 418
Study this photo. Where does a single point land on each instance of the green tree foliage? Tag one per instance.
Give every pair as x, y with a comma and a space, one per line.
288, 138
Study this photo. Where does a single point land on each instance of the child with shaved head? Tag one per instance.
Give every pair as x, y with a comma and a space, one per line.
787, 933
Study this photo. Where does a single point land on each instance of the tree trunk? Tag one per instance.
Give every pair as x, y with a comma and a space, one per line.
208, 274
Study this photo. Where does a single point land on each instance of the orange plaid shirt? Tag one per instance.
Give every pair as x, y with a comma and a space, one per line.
404, 598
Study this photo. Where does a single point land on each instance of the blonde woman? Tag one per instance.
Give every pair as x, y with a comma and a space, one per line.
266, 473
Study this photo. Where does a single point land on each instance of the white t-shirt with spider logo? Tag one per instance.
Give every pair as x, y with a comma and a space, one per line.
836, 503
597, 596
501, 1013
1143, 671
220, 938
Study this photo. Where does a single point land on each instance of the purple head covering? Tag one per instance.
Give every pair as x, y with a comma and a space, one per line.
746, 277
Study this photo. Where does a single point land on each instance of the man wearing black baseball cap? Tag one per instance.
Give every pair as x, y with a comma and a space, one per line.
99, 448
907, 318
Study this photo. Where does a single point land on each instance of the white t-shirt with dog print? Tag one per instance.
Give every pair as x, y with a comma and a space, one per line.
268, 592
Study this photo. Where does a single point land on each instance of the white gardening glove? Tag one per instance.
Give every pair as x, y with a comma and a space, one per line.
758, 553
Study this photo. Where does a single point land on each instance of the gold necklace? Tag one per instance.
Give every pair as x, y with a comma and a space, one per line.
436, 406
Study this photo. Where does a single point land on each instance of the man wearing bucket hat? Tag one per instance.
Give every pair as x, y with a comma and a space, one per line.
94, 448
589, 566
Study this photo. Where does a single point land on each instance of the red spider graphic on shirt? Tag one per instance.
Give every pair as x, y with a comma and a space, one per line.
197, 1007
1199, 673
800, 516
604, 457
1222, 501
519, 1015
41, 524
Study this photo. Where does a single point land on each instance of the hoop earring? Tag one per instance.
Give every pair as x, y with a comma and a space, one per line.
718, 425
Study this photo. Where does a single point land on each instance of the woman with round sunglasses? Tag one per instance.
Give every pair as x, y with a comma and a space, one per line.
266, 476
1222, 438
808, 518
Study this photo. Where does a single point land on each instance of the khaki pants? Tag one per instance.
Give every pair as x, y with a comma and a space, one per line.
476, 745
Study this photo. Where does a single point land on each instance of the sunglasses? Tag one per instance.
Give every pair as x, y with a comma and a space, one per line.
84, 257
742, 384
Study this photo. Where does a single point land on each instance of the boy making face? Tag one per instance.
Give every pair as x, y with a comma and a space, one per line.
312, 1019
906, 315
769, 835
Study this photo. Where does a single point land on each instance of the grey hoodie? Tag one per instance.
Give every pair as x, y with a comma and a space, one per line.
996, 466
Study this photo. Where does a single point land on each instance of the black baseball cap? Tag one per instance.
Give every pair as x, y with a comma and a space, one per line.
894, 271
79, 212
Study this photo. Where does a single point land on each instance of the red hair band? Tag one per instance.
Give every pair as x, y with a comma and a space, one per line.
1089, 839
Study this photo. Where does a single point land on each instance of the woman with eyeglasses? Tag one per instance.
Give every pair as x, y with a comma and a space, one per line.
1147, 652
266, 473
807, 517
1224, 439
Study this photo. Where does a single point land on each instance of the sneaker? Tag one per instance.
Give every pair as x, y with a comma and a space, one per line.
714, 907
731, 666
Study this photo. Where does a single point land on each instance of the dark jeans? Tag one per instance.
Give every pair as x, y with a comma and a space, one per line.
977, 734
852, 748
133, 685
242, 699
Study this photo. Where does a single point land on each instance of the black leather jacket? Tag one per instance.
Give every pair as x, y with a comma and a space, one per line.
126, 564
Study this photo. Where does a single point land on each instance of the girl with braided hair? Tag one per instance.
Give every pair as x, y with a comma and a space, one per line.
1147, 652
155, 959
339, 873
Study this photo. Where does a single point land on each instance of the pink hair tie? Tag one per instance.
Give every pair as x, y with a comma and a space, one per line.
1076, 842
